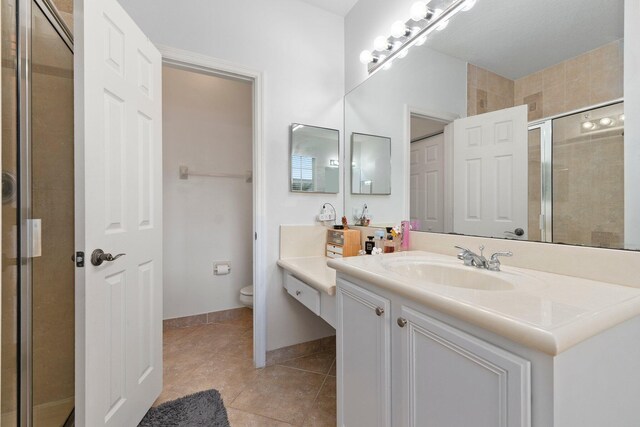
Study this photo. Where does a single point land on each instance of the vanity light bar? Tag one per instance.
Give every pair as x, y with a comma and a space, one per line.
414, 32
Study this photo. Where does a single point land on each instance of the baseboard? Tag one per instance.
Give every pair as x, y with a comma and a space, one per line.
283, 354
206, 318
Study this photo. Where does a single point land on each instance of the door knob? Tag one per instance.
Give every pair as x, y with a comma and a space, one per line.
402, 322
99, 256
379, 311
519, 232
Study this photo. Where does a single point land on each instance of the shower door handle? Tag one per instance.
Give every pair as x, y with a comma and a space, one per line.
99, 256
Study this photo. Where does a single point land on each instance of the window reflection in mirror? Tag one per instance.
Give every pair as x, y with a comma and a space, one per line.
370, 164
314, 159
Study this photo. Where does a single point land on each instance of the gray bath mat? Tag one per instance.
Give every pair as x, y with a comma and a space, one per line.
199, 409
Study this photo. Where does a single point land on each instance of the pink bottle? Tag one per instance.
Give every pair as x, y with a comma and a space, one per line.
405, 228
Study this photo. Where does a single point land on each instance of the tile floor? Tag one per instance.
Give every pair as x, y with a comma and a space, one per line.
299, 392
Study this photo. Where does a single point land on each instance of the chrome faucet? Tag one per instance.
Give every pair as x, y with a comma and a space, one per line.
472, 259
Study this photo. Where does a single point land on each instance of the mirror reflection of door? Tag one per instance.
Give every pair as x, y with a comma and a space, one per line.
427, 174
490, 168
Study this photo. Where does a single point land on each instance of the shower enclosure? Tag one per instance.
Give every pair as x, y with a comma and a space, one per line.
576, 178
37, 334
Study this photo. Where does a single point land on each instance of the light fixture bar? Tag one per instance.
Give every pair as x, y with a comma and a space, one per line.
384, 58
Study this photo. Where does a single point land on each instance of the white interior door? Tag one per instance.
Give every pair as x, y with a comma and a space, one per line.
490, 174
119, 199
427, 183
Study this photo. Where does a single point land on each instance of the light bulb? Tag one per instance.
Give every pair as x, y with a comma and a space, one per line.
419, 10
397, 45
468, 5
399, 29
381, 43
366, 57
588, 125
606, 121
422, 40
622, 117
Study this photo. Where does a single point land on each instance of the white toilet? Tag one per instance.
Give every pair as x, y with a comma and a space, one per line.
246, 296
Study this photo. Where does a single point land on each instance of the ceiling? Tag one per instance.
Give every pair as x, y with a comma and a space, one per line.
339, 7
514, 38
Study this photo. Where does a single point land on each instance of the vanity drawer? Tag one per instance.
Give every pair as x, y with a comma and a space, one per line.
334, 248
304, 293
333, 255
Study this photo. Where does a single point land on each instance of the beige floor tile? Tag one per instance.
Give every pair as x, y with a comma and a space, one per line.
323, 411
229, 376
332, 371
238, 418
281, 393
319, 363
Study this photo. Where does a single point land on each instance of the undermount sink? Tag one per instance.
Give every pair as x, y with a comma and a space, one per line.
458, 276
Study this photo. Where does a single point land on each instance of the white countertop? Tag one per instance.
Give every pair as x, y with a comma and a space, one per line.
547, 312
313, 271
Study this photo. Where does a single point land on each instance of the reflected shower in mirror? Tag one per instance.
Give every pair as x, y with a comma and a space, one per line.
314, 159
535, 147
370, 164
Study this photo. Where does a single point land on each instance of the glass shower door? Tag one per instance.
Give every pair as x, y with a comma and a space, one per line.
51, 189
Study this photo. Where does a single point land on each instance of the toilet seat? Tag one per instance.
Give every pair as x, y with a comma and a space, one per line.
247, 291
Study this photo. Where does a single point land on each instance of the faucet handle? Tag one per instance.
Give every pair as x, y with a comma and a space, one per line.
462, 249
495, 256
494, 262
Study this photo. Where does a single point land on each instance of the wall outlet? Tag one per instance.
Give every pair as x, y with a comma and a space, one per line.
326, 217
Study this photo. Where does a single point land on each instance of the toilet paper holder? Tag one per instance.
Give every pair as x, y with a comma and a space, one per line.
221, 268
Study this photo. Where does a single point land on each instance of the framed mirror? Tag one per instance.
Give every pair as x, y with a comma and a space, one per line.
315, 165
370, 164
498, 133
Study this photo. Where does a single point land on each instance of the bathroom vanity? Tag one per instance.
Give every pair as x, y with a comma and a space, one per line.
423, 340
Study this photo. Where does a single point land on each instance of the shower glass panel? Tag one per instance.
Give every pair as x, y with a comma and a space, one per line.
52, 211
588, 178
535, 184
9, 332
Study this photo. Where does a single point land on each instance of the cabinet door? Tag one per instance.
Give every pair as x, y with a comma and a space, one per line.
452, 379
363, 357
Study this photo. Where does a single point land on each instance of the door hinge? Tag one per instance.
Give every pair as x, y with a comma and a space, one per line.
78, 258
255, 236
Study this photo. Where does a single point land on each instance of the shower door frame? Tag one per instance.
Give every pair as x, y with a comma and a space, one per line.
546, 164
24, 16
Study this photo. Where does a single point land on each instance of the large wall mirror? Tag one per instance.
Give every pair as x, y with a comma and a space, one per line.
315, 162
509, 123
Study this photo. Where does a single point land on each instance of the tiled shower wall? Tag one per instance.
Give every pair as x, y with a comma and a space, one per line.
589, 79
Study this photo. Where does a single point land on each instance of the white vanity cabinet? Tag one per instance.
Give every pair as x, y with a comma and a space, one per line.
448, 378
363, 346
442, 376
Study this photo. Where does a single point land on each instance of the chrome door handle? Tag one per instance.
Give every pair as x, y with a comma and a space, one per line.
99, 256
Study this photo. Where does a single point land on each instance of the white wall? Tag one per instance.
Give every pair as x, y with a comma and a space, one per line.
364, 22
207, 126
632, 124
424, 79
299, 48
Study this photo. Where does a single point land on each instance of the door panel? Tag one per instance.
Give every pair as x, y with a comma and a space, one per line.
449, 378
364, 374
490, 173
119, 143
